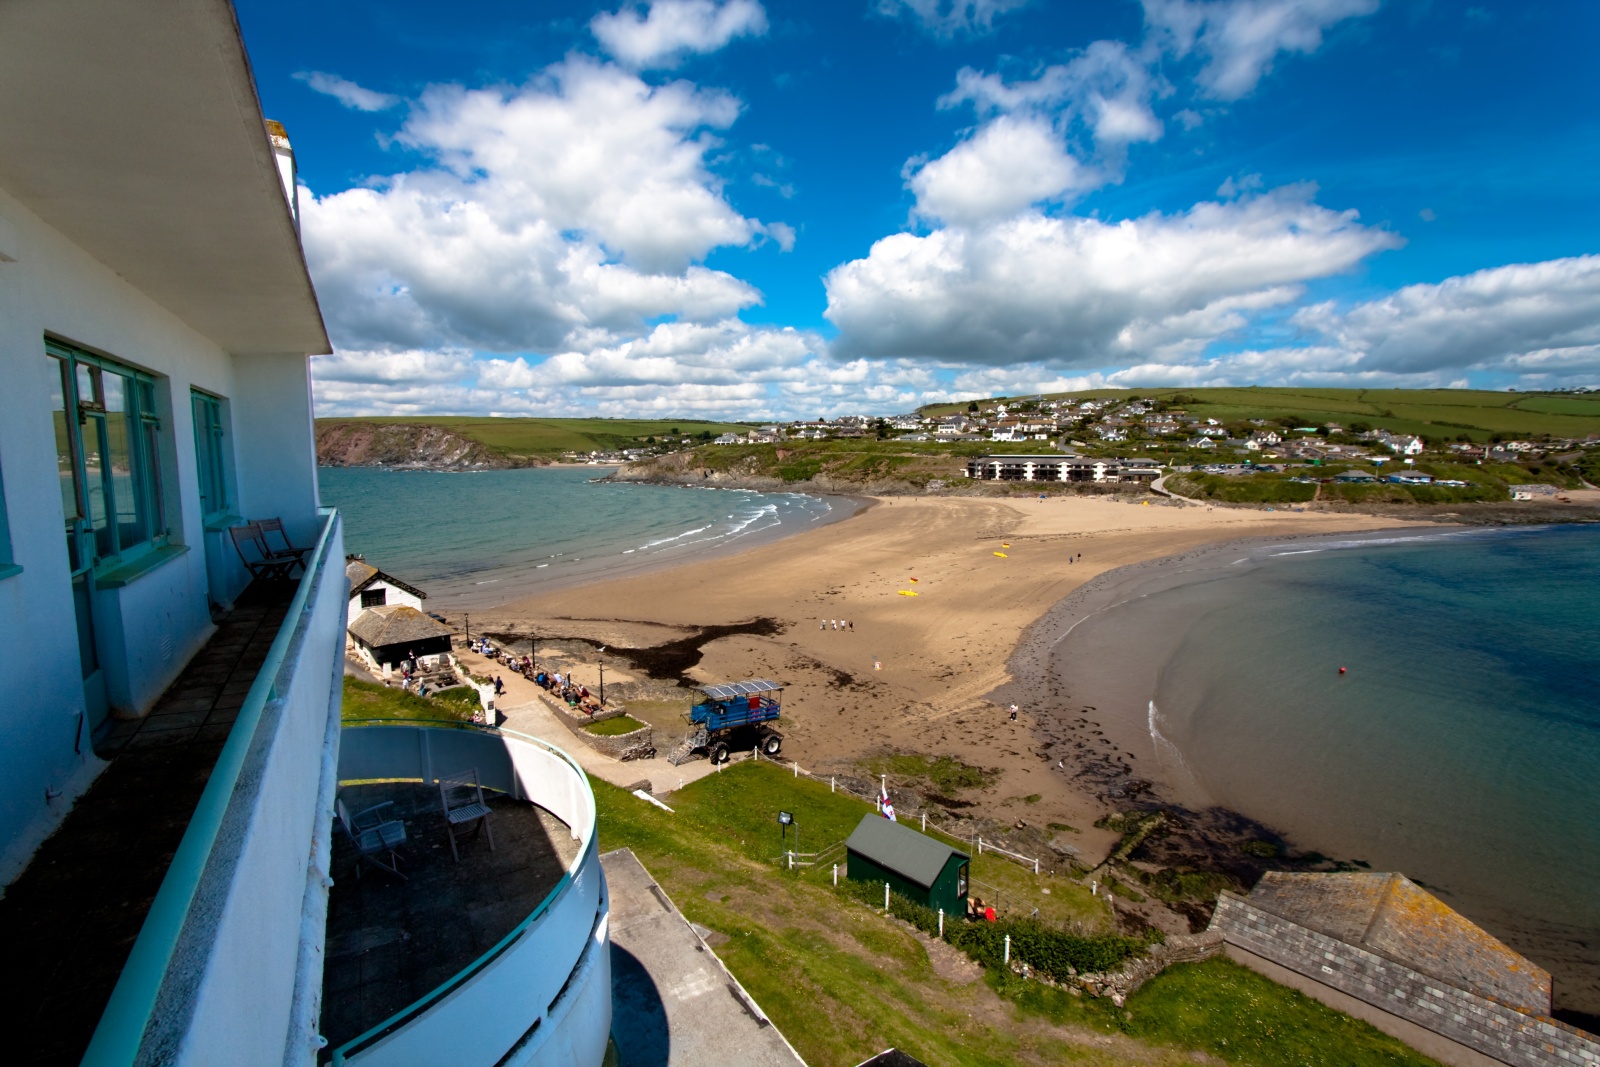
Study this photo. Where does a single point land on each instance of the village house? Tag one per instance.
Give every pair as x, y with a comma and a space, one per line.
371, 588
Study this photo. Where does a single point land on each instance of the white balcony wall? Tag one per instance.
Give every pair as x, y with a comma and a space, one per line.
220, 975
149, 628
550, 988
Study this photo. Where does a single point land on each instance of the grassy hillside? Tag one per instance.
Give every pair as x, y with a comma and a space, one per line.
549, 438
1477, 413
843, 981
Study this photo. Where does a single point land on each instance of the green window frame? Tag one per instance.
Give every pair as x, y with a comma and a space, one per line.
108, 449
211, 451
8, 562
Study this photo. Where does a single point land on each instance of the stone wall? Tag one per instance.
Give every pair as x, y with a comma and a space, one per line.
640, 744
1482, 1025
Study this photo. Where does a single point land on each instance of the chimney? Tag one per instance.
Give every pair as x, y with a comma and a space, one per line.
283, 154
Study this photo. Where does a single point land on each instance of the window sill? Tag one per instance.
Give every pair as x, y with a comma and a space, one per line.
218, 523
127, 573
9, 569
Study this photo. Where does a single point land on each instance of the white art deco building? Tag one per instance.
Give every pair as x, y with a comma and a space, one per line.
172, 749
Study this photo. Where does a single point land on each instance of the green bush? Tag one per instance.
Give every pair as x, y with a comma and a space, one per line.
1054, 953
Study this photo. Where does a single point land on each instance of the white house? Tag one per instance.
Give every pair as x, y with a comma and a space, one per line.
372, 588
156, 318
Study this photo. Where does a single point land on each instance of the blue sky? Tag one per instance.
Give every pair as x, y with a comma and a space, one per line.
770, 209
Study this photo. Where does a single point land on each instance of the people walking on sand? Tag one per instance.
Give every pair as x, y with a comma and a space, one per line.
1013, 713
500, 687
852, 626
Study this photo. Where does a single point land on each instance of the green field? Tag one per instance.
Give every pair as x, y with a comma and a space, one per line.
551, 437
1477, 413
843, 982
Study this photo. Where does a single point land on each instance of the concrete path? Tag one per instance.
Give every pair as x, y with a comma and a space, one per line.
673, 1003
522, 709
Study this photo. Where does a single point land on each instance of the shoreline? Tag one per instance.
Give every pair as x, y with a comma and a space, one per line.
1056, 667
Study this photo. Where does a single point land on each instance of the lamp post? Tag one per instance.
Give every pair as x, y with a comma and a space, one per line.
602, 665
467, 622
786, 820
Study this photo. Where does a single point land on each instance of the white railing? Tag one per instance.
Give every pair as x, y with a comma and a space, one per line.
542, 993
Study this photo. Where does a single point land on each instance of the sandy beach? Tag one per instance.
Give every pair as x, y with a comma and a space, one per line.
912, 673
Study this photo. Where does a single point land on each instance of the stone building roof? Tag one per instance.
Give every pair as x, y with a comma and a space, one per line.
362, 574
1390, 915
395, 624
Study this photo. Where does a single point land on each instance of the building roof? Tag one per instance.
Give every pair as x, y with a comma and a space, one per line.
153, 156
1392, 916
916, 857
739, 689
362, 574
395, 624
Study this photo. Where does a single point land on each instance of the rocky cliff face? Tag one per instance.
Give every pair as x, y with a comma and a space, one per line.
362, 444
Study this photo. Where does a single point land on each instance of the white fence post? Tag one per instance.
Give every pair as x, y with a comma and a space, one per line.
924, 822
1008, 950
941, 923
886, 896
980, 846
830, 785
1036, 866
797, 768
836, 876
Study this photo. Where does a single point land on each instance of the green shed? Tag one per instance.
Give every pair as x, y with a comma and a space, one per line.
915, 865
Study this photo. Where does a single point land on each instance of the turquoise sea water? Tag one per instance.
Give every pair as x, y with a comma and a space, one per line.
484, 537
1462, 746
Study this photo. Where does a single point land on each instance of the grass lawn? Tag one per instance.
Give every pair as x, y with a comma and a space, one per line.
843, 982
622, 724
365, 700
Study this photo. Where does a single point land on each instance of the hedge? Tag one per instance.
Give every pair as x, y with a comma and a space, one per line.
1054, 953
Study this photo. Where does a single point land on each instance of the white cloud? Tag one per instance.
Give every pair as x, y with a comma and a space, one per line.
672, 29
1514, 317
1107, 89
947, 18
346, 92
1240, 39
1079, 292
574, 207
726, 369
1002, 169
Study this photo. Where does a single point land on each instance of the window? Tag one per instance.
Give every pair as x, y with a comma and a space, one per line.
373, 598
210, 452
8, 565
108, 456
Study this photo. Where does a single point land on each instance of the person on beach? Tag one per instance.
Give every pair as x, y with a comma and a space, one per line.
852, 626
500, 688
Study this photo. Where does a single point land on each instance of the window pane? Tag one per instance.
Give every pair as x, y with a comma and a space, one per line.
122, 436
66, 466
97, 472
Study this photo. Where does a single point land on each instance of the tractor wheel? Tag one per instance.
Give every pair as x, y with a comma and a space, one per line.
718, 753
771, 744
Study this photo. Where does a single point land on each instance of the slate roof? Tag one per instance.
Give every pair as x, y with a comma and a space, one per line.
395, 624
362, 574
901, 849
1392, 916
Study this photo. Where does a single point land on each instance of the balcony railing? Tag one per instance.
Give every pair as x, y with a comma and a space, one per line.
542, 993
220, 962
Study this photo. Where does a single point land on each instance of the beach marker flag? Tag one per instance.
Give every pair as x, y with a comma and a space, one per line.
884, 807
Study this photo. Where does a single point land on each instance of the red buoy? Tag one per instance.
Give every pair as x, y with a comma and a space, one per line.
1341, 670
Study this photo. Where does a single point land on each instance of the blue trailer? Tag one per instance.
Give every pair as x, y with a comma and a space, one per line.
737, 715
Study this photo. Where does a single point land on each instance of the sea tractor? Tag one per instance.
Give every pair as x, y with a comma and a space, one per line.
724, 718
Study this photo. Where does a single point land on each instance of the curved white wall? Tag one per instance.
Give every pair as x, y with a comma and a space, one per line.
546, 997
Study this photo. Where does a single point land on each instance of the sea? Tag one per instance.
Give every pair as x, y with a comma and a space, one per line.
476, 538
1460, 744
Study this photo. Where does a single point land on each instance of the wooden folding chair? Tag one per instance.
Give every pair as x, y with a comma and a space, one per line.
461, 797
265, 564
373, 835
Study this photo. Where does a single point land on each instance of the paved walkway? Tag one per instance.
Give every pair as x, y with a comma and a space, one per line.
523, 710
673, 1003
